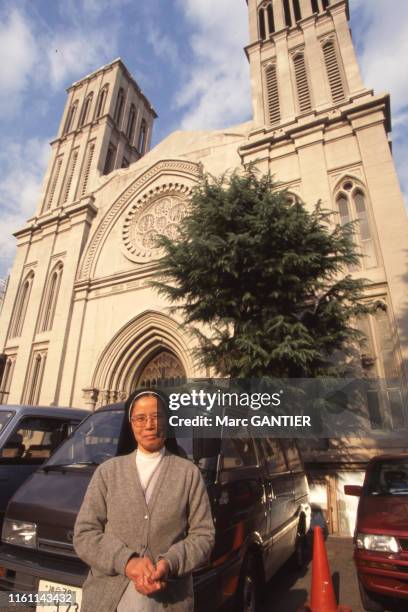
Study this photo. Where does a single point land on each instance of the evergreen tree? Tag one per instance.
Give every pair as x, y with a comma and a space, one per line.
265, 278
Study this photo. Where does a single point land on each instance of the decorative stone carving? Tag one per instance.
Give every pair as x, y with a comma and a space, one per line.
157, 212
192, 170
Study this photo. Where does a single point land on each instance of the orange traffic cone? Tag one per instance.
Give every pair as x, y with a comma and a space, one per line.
323, 598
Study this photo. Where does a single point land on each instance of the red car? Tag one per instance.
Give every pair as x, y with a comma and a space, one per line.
381, 534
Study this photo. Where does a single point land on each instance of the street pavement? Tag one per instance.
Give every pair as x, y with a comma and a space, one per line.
289, 590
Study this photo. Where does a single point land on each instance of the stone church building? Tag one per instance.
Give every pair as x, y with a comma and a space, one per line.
79, 325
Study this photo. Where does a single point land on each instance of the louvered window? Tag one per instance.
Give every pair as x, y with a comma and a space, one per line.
315, 6
119, 106
286, 9
100, 107
296, 10
142, 137
85, 110
87, 169
70, 118
302, 84
70, 175
131, 123
272, 94
57, 171
333, 72
271, 21
262, 30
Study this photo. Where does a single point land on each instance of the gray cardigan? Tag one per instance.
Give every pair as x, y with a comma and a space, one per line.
114, 524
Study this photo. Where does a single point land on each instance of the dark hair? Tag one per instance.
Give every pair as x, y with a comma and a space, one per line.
170, 443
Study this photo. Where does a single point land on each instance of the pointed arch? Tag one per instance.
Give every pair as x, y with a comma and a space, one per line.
50, 298
100, 107
352, 203
125, 357
173, 170
20, 306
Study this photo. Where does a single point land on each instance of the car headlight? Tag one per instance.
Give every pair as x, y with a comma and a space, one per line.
19, 533
379, 543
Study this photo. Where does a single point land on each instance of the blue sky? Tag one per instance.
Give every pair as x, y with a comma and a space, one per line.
187, 57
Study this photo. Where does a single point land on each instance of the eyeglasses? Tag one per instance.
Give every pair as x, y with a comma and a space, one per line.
141, 419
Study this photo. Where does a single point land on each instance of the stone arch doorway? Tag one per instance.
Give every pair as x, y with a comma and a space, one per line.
150, 348
163, 370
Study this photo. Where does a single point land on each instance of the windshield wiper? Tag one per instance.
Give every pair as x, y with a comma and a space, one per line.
61, 466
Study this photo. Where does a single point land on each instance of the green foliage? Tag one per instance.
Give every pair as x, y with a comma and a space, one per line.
265, 278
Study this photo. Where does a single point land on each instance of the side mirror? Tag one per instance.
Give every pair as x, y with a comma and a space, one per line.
354, 490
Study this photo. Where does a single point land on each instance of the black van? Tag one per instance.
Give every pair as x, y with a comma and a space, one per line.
28, 437
257, 488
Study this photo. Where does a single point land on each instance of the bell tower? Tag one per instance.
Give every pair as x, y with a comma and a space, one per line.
107, 124
302, 60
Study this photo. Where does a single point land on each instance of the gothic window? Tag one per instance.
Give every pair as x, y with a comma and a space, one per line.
100, 107
35, 377
54, 181
7, 378
296, 10
130, 130
286, 10
164, 370
262, 29
271, 20
20, 307
379, 360
50, 299
315, 6
353, 206
119, 106
333, 71
142, 137
302, 84
326, 4
272, 94
70, 175
85, 109
110, 159
70, 118
87, 168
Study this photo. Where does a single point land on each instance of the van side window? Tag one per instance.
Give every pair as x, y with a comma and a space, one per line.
238, 452
34, 439
292, 455
273, 455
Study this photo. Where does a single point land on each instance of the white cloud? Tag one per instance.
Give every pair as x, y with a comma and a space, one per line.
164, 47
23, 168
18, 54
216, 91
77, 50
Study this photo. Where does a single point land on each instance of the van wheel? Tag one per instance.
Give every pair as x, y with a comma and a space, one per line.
249, 586
369, 600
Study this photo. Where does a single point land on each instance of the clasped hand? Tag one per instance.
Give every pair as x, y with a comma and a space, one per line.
147, 577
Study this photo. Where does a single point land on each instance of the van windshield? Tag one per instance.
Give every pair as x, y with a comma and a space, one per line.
388, 477
94, 440
4, 418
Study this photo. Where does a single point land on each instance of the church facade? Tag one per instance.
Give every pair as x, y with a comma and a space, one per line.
79, 324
